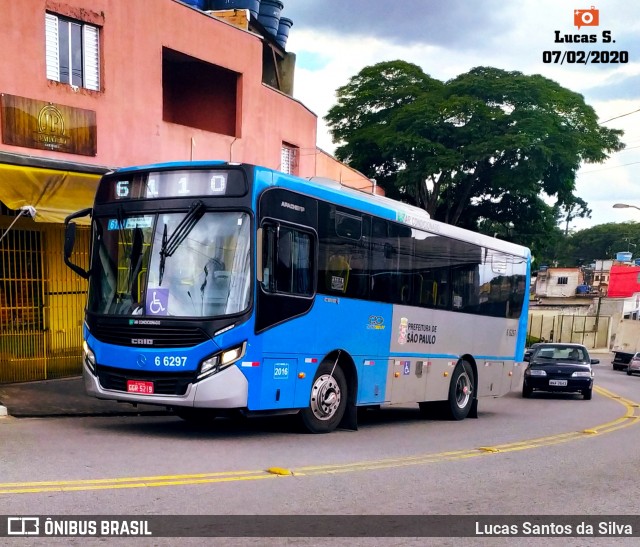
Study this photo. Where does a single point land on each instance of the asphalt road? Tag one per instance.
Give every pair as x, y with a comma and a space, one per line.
549, 455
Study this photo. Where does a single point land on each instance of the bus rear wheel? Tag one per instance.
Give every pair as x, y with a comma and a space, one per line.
328, 400
461, 392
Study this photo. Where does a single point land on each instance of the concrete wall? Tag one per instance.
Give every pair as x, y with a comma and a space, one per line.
593, 331
328, 166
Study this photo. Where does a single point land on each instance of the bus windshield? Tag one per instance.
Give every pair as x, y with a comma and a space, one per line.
171, 264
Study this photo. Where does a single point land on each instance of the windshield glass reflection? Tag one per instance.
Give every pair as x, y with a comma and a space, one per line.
206, 273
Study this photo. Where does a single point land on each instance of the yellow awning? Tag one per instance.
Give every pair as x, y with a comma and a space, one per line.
53, 193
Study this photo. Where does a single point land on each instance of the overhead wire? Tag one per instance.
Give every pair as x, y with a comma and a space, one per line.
621, 116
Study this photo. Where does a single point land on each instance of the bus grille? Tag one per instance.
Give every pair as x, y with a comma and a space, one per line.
163, 384
163, 337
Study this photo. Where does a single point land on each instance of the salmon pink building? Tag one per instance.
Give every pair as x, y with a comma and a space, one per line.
87, 86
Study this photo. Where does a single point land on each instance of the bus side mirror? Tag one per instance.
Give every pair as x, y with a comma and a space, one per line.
70, 240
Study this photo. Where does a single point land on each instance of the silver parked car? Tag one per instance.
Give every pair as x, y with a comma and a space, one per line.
634, 364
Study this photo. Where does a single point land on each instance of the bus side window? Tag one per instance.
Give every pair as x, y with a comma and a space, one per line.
421, 295
283, 270
442, 294
268, 259
338, 269
287, 261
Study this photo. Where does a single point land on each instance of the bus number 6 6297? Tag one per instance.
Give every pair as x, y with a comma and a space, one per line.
170, 361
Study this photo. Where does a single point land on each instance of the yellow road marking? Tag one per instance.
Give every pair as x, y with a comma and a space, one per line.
275, 472
279, 471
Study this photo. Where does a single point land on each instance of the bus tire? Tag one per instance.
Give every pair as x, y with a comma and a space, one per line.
461, 392
327, 401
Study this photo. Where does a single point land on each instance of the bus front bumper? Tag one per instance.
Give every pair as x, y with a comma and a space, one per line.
226, 389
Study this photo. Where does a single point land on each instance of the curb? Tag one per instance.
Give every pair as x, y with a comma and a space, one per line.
90, 414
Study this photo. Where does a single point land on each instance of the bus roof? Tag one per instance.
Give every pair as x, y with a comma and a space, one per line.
329, 190
392, 209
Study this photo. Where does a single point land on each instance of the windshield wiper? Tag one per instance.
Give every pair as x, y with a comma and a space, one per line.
182, 230
135, 258
122, 233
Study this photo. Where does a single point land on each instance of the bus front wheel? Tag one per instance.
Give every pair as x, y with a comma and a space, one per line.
461, 392
328, 400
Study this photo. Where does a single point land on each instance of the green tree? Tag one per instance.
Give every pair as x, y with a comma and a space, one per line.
600, 242
479, 151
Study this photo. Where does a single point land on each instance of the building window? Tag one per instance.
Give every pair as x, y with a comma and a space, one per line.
289, 159
72, 52
563, 280
199, 94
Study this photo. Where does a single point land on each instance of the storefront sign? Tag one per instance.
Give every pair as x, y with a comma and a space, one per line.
48, 126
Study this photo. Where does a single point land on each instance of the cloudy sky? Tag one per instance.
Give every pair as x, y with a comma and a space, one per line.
335, 39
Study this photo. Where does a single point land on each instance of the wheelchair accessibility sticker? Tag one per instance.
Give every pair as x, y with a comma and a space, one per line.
157, 301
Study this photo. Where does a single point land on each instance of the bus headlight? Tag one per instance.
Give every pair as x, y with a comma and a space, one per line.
231, 355
221, 360
88, 357
208, 366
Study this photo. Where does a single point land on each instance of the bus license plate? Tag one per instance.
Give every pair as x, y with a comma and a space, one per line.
139, 386
559, 383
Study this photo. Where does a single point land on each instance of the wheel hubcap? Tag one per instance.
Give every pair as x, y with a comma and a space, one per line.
464, 390
325, 397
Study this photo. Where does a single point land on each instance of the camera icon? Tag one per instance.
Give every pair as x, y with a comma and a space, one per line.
586, 17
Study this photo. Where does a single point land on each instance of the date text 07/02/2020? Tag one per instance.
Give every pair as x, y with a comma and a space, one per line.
585, 57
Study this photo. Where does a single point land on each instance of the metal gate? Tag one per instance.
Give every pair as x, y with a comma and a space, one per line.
589, 330
41, 303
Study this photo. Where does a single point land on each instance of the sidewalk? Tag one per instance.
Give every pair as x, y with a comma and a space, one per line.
64, 397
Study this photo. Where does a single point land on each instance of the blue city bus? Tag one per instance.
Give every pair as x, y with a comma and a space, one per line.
217, 287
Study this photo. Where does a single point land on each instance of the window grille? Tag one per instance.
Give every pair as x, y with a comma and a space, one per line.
289, 159
72, 52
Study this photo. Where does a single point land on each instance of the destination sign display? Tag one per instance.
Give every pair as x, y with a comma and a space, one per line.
172, 184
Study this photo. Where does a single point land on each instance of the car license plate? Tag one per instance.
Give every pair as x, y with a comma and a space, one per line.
139, 386
559, 383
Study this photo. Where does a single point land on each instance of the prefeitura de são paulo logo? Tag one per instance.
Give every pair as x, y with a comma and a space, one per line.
585, 19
